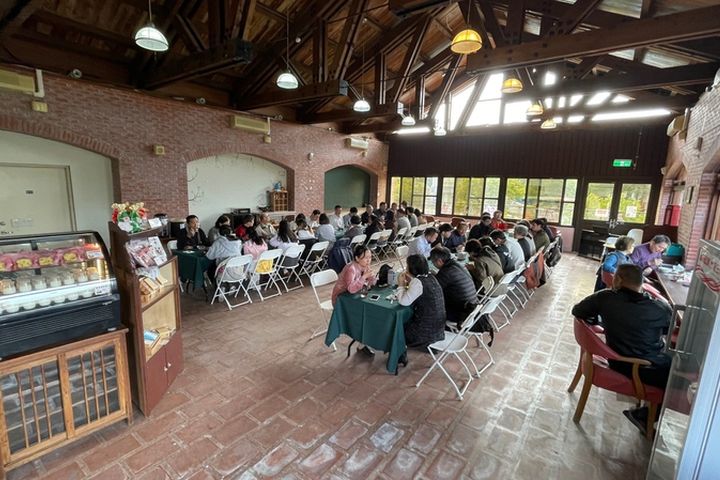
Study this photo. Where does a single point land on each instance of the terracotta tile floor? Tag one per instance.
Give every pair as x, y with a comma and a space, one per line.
256, 400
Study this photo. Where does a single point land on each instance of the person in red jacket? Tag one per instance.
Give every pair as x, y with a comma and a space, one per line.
497, 221
244, 228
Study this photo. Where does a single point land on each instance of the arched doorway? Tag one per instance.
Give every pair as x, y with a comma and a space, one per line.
220, 183
347, 186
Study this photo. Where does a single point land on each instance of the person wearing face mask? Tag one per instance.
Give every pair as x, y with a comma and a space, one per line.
192, 236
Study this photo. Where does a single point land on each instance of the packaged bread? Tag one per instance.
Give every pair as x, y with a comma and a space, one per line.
7, 286
25, 260
72, 255
47, 258
7, 262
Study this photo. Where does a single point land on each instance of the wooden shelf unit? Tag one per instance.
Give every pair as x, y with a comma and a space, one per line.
52, 397
278, 201
151, 375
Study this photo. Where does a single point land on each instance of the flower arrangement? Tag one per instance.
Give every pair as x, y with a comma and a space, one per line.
129, 216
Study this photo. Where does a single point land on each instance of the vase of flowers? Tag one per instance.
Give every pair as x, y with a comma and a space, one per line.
129, 216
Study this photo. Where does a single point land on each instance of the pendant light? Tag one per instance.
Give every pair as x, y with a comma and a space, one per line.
408, 121
468, 41
361, 105
149, 37
512, 84
438, 129
287, 80
548, 124
534, 110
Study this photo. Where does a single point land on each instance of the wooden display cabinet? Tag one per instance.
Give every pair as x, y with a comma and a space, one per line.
52, 397
278, 201
151, 371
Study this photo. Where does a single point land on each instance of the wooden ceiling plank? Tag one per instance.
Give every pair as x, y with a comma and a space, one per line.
573, 17
410, 57
350, 115
688, 25
16, 16
307, 93
585, 67
189, 35
491, 23
515, 21
320, 53
375, 127
348, 39
241, 26
216, 21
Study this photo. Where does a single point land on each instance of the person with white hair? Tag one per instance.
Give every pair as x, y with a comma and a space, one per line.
521, 235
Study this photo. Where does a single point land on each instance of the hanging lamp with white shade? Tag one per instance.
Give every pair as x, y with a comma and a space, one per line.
512, 84
467, 41
149, 37
534, 110
286, 80
548, 124
361, 105
408, 121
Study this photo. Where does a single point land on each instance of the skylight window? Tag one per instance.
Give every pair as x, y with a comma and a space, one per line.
515, 111
620, 98
457, 104
493, 87
561, 102
550, 79
575, 118
485, 113
575, 99
598, 98
631, 114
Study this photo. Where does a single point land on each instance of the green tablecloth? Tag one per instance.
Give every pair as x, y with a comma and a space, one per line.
191, 266
377, 324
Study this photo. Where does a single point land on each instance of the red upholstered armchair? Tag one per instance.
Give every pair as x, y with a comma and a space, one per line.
594, 354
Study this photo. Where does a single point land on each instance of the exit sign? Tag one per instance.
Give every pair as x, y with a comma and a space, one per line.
622, 163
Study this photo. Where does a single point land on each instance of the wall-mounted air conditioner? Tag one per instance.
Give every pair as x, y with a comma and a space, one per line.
360, 143
17, 82
249, 124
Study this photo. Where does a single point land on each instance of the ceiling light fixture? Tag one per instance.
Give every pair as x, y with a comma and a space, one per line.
548, 124
512, 84
534, 110
286, 80
361, 105
408, 121
410, 131
631, 114
468, 41
149, 37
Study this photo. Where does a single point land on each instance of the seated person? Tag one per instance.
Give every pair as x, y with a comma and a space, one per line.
227, 245
264, 229
444, 232
483, 228
421, 290
192, 236
325, 232
540, 237
336, 219
294, 223
355, 229
634, 324
412, 217
347, 218
390, 224
355, 276
484, 262
246, 224
515, 252
615, 258
497, 222
420, 217
648, 256
254, 245
422, 245
284, 238
367, 214
303, 231
457, 239
214, 232
402, 220
314, 220
521, 235
374, 226
458, 288
548, 230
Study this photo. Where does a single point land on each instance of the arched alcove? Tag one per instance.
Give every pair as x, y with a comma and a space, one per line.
220, 183
347, 186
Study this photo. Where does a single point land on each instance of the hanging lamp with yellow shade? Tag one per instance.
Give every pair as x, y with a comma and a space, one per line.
548, 124
512, 84
534, 110
467, 41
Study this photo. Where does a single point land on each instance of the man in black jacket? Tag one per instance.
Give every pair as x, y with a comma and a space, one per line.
457, 285
634, 324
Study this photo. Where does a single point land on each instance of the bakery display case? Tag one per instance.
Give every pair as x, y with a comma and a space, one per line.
54, 289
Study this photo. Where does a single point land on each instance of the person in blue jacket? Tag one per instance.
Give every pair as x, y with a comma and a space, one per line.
620, 256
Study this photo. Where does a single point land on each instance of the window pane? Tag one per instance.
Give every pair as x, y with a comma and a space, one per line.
457, 105
634, 203
476, 187
549, 210
430, 205
492, 187
475, 207
515, 197
448, 193
419, 186
485, 113
431, 184
406, 194
515, 112
493, 87
533, 197
440, 115
462, 189
490, 205
550, 199
395, 189
570, 190
598, 200
417, 202
567, 214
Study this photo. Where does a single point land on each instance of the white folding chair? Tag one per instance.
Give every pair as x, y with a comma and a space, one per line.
454, 344
487, 308
357, 240
372, 244
548, 268
383, 243
290, 263
260, 271
232, 272
401, 254
317, 280
507, 285
399, 239
420, 229
410, 234
315, 258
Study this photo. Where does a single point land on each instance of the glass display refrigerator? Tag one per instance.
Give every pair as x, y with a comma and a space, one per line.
687, 442
54, 289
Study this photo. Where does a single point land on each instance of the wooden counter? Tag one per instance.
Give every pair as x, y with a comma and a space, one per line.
675, 292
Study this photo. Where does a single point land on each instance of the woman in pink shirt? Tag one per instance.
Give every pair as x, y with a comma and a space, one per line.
354, 276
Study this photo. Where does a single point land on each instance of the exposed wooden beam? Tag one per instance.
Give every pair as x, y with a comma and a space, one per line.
583, 69
244, 12
230, 54
438, 96
216, 21
573, 17
404, 8
476, 21
320, 53
515, 21
647, 9
60, 46
164, 23
410, 56
472, 101
686, 25
419, 105
87, 29
491, 23
380, 78
308, 93
347, 115
190, 36
270, 13
16, 16
375, 127
348, 39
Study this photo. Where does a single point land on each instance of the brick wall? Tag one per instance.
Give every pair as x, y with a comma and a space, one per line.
702, 165
123, 125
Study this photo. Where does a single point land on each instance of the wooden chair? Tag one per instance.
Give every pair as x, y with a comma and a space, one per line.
594, 354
